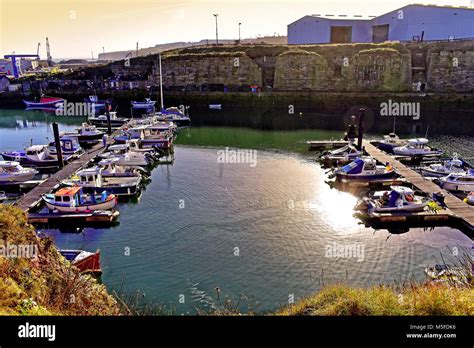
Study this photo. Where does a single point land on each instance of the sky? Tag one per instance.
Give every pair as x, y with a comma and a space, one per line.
82, 28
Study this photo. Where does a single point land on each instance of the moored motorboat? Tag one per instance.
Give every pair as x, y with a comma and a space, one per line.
92, 181
147, 104
399, 199
364, 168
458, 181
47, 102
111, 168
86, 134
69, 146
159, 135
125, 157
342, 155
173, 114
36, 155
453, 165
85, 261
390, 141
416, 148
3, 196
101, 120
73, 200
13, 172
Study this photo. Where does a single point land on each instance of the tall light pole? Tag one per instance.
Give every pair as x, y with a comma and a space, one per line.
217, 33
239, 30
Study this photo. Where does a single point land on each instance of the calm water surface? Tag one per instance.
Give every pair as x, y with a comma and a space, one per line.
260, 231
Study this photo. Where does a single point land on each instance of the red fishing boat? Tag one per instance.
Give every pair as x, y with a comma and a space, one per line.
85, 261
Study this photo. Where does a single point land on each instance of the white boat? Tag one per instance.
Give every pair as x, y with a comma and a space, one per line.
3, 196
364, 168
73, 200
87, 133
92, 181
416, 147
215, 106
110, 167
101, 120
398, 199
390, 141
453, 165
342, 155
13, 172
125, 156
458, 181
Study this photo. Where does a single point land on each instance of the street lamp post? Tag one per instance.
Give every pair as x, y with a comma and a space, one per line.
217, 33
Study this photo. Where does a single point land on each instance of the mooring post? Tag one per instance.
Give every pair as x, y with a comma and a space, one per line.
361, 128
57, 142
107, 113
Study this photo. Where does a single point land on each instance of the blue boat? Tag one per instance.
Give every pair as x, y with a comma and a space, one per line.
147, 104
173, 114
365, 168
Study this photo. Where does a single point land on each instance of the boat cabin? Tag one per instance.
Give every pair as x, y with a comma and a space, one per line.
419, 143
73, 196
90, 177
400, 195
9, 167
69, 144
37, 152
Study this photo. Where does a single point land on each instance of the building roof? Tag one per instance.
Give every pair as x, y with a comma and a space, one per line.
353, 17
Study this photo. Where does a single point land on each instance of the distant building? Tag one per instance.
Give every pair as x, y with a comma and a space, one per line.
412, 22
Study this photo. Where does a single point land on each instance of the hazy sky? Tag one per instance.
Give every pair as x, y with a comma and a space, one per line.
77, 27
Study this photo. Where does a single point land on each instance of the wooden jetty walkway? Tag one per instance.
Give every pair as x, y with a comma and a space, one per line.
33, 197
456, 207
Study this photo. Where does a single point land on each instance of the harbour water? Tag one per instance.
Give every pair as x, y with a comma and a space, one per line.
269, 231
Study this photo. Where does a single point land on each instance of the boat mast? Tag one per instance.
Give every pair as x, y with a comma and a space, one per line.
161, 83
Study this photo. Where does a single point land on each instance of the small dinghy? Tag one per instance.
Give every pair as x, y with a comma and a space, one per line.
342, 155
73, 200
85, 261
453, 165
147, 104
390, 141
399, 199
364, 168
12, 172
416, 148
458, 181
